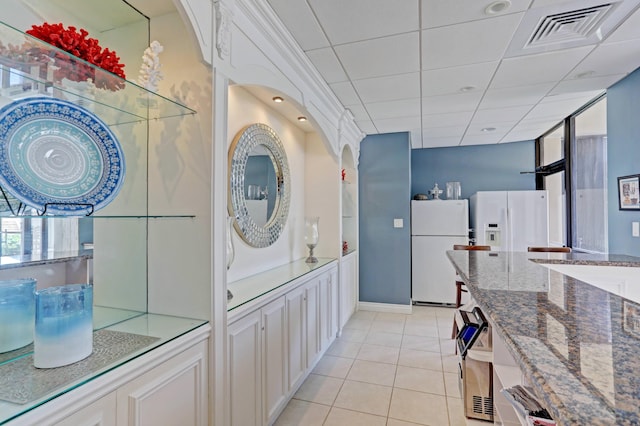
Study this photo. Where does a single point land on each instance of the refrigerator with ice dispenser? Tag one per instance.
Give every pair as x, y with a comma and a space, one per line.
510, 220
436, 226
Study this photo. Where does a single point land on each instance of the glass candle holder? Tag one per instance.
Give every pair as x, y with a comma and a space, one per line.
17, 311
311, 237
63, 326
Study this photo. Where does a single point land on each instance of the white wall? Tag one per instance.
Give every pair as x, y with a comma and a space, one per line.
245, 109
180, 180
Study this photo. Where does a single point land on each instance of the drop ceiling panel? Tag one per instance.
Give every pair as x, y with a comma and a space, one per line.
326, 61
436, 13
500, 129
557, 108
382, 56
367, 127
611, 58
345, 93
481, 139
394, 109
441, 132
300, 21
355, 20
585, 84
500, 115
628, 30
460, 119
535, 69
391, 125
451, 103
401, 86
453, 80
515, 96
358, 111
469, 43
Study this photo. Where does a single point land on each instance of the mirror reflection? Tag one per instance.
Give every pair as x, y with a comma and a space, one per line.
259, 181
260, 185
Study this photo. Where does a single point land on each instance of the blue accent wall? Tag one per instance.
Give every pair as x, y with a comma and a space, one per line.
623, 158
494, 167
384, 179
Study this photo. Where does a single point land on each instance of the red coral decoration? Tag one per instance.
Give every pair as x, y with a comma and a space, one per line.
83, 47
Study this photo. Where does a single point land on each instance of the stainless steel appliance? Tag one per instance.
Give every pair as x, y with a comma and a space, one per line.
474, 365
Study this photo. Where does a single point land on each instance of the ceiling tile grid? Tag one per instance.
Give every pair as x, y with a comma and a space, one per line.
445, 70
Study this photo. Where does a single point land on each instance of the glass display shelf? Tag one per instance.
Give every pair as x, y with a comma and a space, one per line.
250, 288
161, 328
31, 67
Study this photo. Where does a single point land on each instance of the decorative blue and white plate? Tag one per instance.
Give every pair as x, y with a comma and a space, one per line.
59, 157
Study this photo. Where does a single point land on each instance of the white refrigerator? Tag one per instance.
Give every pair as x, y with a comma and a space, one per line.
436, 225
510, 220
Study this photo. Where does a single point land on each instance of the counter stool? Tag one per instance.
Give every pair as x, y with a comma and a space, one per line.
460, 284
550, 249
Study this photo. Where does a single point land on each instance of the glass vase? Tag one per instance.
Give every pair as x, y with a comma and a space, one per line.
17, 310
311, 237
64, 325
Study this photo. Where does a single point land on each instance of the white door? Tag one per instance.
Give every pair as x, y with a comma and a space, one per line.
312, 320
432, 274
528, 219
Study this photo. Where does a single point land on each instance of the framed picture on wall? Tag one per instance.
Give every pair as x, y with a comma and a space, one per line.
629, 192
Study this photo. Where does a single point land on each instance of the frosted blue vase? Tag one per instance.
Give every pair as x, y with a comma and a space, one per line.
64, 325
17, 311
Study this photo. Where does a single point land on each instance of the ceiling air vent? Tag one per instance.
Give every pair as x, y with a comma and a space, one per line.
568, 26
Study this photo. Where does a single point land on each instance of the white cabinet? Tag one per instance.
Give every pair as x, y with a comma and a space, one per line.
257, 360
166, 386
348, 287
274, 343
273, 347
245, 369
173, 393
312, 321
295, 333
100, 413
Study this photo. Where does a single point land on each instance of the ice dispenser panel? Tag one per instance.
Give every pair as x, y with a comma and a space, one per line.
492, 235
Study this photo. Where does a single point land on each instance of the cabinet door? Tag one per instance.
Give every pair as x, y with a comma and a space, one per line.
313, 323
173, 393
274, 358
348, 291
326, 311
295, 337
334, 304
245, 370
100, 413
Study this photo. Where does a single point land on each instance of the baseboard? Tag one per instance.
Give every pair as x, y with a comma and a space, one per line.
385, 307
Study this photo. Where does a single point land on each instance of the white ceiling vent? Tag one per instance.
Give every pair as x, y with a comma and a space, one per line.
568, 24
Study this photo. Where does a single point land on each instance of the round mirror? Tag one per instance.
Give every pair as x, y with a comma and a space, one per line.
258, 185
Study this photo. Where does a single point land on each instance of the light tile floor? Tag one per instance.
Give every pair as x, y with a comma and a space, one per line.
385, 369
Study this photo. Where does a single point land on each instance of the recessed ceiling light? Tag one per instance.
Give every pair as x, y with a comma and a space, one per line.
277, 99
302, 118
488, 129
467, 88
497, 7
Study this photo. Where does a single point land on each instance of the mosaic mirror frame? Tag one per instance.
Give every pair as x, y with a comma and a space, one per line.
243, 144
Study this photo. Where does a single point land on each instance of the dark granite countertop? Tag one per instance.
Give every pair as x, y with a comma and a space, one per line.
577, 344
